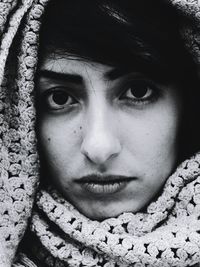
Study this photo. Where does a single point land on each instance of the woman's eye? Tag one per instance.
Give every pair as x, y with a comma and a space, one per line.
140, 92
59, 99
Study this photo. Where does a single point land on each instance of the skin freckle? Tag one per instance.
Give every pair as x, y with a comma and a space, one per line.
132, 148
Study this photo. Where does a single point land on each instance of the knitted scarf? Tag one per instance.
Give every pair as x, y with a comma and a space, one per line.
166, 234
19, 165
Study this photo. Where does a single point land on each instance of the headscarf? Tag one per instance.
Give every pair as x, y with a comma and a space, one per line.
19, 161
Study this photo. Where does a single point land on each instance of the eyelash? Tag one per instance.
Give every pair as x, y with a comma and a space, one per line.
149, 85
50, 93
151, 89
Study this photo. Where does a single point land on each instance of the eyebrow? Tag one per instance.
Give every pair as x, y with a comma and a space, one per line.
68, 77
117, 73
77, 79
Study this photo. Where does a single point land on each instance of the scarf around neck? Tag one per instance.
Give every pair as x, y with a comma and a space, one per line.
20, 22
166, 234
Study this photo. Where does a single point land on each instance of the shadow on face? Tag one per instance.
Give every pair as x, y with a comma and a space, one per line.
112, 102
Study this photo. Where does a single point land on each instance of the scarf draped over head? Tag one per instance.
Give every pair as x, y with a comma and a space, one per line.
19, 165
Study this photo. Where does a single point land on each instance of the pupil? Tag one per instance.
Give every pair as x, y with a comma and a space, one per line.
139, 92
60, 98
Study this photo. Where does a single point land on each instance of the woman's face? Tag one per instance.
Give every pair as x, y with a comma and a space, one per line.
108, 137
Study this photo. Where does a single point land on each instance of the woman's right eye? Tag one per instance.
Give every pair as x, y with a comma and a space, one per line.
58, 99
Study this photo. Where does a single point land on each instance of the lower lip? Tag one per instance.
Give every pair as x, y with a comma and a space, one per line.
105, 188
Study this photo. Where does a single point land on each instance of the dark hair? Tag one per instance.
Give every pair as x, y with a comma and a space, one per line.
126, 33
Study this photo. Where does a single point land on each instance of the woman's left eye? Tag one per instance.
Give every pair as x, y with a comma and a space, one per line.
140, 92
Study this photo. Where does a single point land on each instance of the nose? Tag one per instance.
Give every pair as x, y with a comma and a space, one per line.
100, 141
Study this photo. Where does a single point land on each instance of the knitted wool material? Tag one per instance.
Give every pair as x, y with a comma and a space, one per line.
167, 234
19, 165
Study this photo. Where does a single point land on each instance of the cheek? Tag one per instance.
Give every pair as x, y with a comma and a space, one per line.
151, 139
57, 138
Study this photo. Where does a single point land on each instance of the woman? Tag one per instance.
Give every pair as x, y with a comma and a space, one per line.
114, 118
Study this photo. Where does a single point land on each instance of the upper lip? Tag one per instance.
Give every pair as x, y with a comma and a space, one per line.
103, 179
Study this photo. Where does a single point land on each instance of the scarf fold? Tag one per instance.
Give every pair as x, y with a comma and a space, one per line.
20, 22
166, 234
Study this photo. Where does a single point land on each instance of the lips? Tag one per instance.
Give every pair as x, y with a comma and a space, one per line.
102, 185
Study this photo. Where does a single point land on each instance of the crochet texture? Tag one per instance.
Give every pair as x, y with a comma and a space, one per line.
19, 165
167, 234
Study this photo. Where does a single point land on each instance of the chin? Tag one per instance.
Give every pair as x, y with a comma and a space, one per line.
100, 216
102, 212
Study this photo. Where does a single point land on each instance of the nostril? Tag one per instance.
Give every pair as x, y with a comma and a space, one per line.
99, 151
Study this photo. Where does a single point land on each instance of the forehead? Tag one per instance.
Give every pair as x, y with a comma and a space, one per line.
76, 69
64, 63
